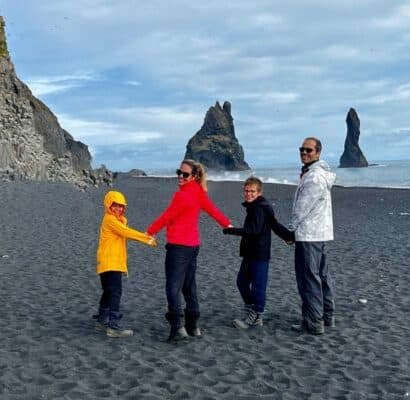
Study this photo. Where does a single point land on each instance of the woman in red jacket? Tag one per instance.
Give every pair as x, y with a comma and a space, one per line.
181, 220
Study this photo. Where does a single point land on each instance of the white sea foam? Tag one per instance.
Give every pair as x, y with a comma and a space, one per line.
391, 174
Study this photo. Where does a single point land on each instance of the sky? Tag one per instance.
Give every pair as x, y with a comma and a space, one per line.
134, 79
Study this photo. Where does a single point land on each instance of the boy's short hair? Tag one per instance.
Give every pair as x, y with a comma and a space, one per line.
253, 180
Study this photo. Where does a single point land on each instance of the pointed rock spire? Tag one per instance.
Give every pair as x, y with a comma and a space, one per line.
215, 144
352, 155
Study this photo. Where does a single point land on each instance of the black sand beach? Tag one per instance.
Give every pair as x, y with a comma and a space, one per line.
49, 290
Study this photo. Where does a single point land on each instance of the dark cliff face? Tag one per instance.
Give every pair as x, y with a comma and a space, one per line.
352, 156
215, 144
33, 146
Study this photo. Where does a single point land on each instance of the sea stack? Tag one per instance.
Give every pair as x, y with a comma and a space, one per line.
215, 144
352, 156
33, 146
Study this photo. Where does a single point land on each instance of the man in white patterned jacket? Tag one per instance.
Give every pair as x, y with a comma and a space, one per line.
312, 222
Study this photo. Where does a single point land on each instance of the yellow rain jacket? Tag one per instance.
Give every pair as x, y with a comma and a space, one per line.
112, 247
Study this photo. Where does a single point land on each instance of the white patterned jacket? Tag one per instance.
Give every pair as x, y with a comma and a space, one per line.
311, 217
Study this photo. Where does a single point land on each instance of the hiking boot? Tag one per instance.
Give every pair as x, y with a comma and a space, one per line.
252, 319
177, 334
114, 329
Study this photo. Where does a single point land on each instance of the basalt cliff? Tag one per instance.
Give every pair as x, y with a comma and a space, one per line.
215, 144
33, 146
352, 156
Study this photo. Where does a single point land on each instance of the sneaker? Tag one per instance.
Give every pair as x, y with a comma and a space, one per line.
177, 334
302, 328
252, 319
117, 332
101, 326
102, 320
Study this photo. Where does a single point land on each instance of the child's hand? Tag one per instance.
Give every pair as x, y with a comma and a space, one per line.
152, 242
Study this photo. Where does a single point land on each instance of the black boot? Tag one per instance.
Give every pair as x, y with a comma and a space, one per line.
178, 331
191, 323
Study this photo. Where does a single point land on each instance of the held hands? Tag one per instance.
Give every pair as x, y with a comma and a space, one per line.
228, 229
292, 240
152, 241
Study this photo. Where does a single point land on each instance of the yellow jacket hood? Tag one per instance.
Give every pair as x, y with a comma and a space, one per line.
113, 197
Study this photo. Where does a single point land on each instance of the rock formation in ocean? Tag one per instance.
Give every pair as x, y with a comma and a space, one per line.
215, 144
33, 146
134, 173
352, 156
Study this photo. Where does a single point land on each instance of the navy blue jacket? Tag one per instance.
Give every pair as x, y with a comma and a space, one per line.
256, 232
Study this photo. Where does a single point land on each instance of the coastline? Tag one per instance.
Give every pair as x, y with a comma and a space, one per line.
387, 174
49, 288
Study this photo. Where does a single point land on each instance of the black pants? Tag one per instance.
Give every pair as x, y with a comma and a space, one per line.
180, 273
111, 284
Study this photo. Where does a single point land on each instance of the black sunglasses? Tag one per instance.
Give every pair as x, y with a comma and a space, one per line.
184, 174
305, 150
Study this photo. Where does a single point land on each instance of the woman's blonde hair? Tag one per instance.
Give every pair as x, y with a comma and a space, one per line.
198, 172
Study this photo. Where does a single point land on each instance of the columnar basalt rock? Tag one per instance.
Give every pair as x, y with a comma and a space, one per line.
215, 144
3, 42
352, 156
33, 146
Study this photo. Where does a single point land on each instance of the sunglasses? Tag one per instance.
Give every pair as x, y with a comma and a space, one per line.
184, 174
305, 150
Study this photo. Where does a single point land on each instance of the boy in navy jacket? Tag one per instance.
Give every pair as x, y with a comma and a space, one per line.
255, 251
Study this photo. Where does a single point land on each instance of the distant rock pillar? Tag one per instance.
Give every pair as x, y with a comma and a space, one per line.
352, 156
215, 145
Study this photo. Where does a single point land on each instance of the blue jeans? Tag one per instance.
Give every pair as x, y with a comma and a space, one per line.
314, 282
252, 280
111, 284
180, 271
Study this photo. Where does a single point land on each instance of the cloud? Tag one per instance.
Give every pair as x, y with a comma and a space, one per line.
399, 93
397, 19
42, 86
133, 83
289, 69
99, 133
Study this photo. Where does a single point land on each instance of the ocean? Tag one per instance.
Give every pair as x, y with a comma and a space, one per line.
387, 174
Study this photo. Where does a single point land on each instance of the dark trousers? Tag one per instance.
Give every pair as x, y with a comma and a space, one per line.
111, 284
180, 273
252, 280
314, 282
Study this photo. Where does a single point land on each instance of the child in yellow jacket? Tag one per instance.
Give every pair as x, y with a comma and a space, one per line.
112, 262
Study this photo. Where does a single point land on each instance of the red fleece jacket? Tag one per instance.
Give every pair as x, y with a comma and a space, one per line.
181, 218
